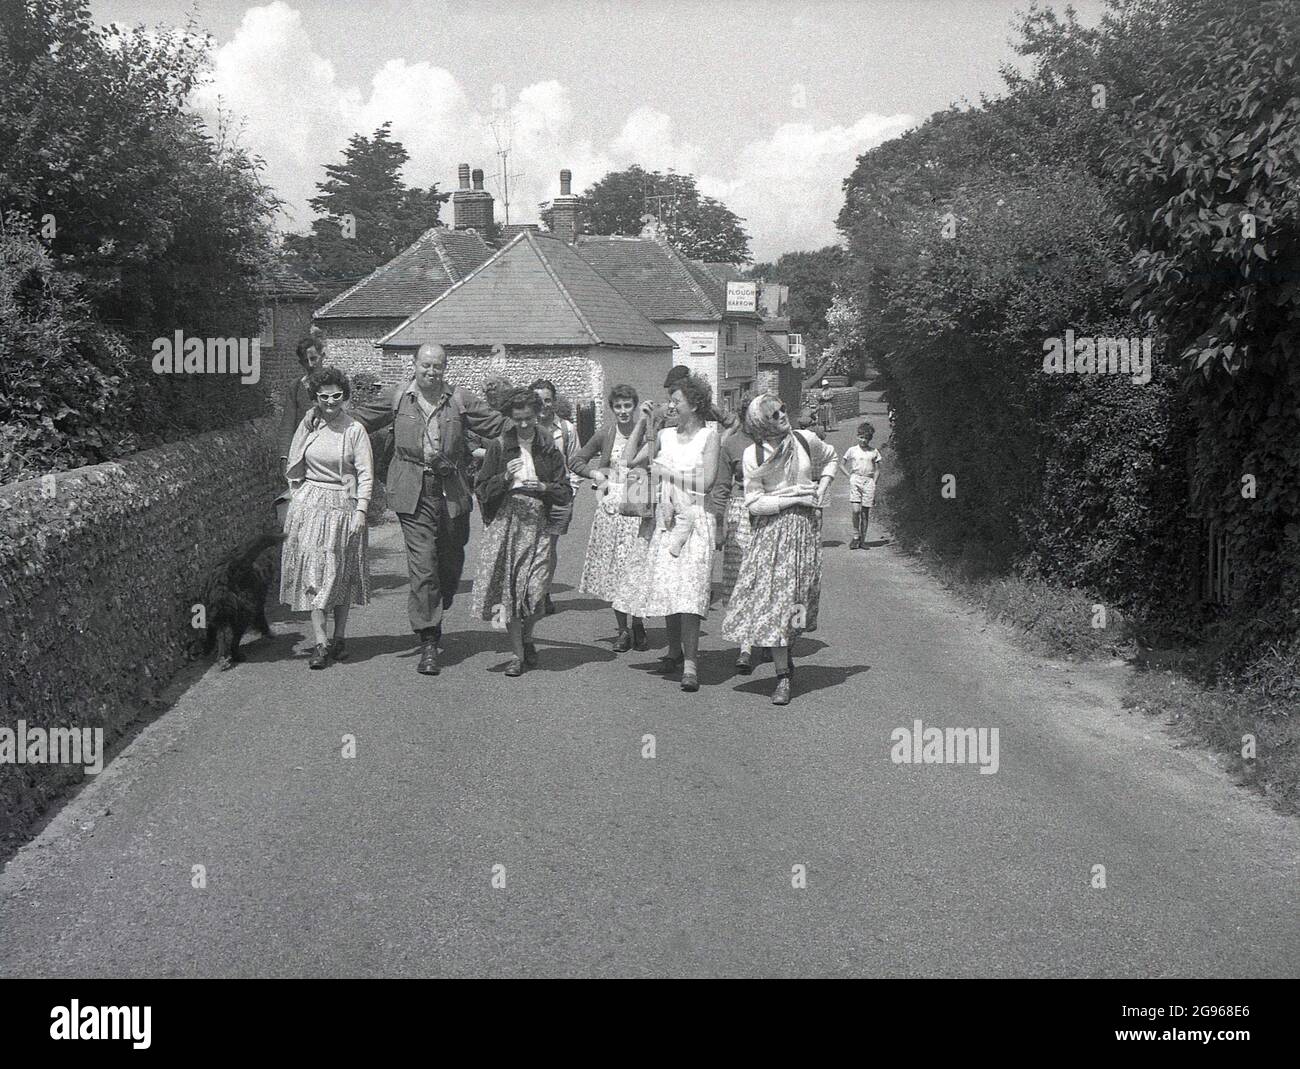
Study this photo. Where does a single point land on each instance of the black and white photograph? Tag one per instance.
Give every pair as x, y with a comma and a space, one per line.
665, 489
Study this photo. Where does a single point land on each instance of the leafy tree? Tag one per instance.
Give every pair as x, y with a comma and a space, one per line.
150, 224
972, 240
1207, 177
64, 379
700, 227
812, 277
365, 213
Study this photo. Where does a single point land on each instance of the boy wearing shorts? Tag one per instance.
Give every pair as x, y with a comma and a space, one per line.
861, 464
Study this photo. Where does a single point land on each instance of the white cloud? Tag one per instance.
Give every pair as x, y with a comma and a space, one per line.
298, 113
789, 187
647, 139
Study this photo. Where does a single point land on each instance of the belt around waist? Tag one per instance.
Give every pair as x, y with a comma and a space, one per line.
322, 482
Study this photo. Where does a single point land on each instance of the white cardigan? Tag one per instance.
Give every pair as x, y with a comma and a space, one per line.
764, 491
357, 466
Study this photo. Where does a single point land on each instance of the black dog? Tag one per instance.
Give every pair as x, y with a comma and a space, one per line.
234, 598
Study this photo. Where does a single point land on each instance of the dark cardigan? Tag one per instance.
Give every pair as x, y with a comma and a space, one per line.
598, 445
493, 483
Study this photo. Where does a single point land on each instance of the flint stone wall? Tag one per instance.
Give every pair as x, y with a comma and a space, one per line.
99, 568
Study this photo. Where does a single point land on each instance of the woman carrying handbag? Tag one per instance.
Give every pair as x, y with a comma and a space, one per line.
614, 539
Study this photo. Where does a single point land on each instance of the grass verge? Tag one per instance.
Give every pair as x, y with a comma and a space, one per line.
1251, 720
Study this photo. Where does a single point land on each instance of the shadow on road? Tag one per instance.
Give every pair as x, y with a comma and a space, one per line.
808, 678
552, 656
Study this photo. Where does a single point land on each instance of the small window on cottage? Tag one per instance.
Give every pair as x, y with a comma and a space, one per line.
731, 333
267, 317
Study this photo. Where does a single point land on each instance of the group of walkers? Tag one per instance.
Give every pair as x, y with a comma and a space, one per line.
677, 482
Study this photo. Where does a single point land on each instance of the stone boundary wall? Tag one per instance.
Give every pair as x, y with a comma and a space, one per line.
98, 570
847, 403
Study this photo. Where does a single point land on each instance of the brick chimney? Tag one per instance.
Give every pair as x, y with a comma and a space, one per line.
566, 211
471, 208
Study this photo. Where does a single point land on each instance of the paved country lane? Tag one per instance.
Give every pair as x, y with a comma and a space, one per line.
680, 865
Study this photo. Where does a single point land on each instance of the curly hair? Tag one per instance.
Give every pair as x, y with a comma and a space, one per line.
698, 394
624, 392
521, 397
544, 384
329, 376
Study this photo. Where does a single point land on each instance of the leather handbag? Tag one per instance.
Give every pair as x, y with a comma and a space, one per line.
638, 494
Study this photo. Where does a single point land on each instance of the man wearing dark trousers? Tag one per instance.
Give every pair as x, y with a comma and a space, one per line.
426, 484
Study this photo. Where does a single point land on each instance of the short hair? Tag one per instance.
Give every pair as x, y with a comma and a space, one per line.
866, 430
680, 371
329, 376
623, 392
760, 416
429, 345
697, 391
498, 383
519, 397
301, 349
544, 384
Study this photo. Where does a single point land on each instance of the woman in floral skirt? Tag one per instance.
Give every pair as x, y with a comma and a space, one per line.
522, 478
787, 473
675, 577
323, 565
613, 546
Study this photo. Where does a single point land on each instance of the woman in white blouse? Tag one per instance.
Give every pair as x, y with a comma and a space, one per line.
787, 473
323, 564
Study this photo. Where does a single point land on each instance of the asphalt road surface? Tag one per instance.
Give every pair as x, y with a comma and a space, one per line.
684, 863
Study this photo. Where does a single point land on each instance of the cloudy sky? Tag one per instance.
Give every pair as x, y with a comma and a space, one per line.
767, 103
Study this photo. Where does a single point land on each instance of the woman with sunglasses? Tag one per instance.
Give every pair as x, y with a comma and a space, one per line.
323, 563
775, 599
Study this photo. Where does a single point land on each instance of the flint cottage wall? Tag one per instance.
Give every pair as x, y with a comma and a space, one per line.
580, 373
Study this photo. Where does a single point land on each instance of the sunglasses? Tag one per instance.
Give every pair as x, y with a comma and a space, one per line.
329, 397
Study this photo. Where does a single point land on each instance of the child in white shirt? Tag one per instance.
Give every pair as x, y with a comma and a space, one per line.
861, 464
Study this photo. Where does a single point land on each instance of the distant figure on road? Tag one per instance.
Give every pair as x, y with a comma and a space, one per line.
427, 486
614, 540
787, 473
826, 408
522, 480
861, 463
323, 563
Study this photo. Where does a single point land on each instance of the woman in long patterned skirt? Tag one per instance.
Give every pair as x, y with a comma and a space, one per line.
323, 565
523, 476
675, 577
787, 473
614, 543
